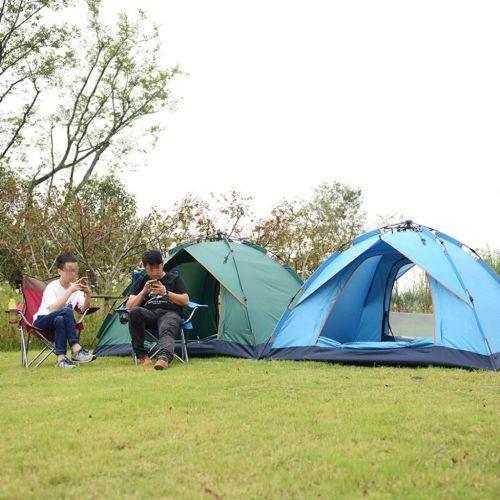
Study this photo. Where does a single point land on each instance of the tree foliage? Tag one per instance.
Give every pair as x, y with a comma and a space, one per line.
492, 258
32, 52
101, 226
305, 232
416, 298
119, 82
97, 87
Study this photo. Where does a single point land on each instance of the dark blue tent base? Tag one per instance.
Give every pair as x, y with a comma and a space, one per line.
195, 349
114, 350
406, 356
223, 348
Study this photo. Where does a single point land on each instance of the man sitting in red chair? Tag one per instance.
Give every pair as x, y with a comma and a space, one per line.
59, 300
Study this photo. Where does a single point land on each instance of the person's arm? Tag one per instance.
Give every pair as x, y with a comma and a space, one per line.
59, 304
179, 299
85, 288
137, 299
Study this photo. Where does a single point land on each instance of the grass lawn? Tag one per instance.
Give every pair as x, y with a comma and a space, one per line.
242, 429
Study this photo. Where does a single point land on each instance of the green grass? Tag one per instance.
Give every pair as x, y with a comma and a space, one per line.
242, 429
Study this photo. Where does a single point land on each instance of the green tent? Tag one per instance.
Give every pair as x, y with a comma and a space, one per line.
245, 290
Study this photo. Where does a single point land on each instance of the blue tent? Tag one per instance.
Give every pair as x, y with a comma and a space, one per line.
342, 312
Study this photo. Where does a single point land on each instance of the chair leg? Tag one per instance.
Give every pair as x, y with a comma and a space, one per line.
178, 358
154, 351
28, 338
184, 347
45, 357
183, 358
24, 349
38, 355
48, 346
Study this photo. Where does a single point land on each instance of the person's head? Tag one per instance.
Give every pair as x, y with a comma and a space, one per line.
152, 261
67, 267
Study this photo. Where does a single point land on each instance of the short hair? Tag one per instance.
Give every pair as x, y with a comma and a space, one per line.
62, 258
152, 256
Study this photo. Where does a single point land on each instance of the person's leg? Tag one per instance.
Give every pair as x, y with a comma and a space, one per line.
139, 318
55, 323
71, 333
78, 353
169, 323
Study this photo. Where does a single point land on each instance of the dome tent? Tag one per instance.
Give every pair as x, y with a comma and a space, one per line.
342, 312
245, 290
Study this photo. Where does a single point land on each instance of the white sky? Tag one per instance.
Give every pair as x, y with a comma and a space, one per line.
399, 98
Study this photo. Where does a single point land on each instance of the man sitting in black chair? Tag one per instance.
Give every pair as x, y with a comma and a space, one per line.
156, 302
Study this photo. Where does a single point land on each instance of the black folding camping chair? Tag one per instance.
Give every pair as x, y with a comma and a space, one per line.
151, 339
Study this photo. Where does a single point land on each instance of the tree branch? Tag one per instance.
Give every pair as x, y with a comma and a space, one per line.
24, 119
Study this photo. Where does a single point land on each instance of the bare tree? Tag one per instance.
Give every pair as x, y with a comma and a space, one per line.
31, 53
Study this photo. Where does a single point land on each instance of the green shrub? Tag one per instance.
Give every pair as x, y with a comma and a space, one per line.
416, 299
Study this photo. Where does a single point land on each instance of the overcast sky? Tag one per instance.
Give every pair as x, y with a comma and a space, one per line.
399, 98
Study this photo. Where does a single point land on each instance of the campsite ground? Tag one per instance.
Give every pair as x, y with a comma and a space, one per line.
237, 428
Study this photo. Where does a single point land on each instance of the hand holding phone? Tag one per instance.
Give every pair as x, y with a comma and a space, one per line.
149, 285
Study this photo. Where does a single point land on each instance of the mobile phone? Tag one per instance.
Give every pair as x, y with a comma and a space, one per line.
83, 280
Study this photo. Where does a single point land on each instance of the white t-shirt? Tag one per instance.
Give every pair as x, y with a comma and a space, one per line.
55, 292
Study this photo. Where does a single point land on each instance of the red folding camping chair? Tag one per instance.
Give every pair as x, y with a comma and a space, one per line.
32, 290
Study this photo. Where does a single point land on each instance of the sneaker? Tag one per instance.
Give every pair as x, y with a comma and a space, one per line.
161, 364
82, 356
65, 363
145, 361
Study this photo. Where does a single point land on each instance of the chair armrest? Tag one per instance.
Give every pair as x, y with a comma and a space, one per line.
16, 310
90, 310
194, 306
14, 313
19, 311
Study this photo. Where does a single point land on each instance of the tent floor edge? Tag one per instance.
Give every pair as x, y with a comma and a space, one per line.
403, 357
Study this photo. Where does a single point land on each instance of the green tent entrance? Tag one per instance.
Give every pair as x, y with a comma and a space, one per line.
246, 292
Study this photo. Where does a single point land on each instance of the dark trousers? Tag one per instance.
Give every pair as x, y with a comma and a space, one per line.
62, 323
166, 323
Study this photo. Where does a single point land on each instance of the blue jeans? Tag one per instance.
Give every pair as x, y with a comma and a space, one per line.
62, 323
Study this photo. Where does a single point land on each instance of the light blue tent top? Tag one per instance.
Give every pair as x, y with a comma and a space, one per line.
345, 303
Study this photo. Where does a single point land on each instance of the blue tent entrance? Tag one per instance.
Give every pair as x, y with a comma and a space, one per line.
342, 312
